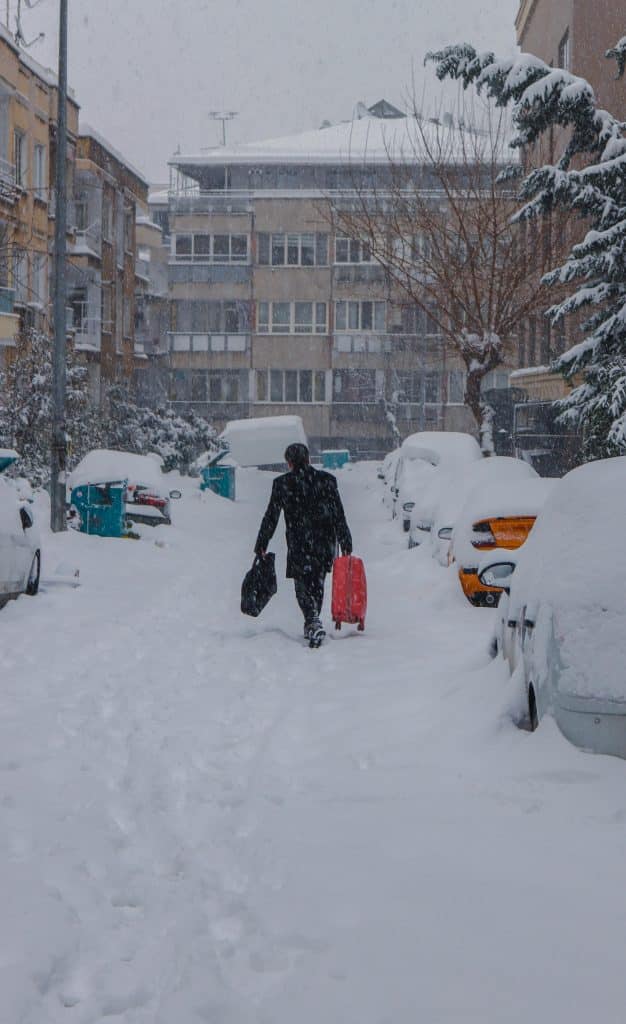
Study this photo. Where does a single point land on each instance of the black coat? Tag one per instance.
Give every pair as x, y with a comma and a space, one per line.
314, 519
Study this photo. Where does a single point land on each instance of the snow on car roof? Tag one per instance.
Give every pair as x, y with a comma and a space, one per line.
104, 465
435, 446
262, 441
574, 564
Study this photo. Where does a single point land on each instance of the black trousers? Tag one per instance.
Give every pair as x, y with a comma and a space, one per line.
310, 594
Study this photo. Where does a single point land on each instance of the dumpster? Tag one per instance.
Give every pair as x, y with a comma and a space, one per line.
100, 509
335, 458
220, 479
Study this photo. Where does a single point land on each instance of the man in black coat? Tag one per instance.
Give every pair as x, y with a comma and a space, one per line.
315, 523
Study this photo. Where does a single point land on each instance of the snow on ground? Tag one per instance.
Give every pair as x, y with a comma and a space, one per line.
204, 821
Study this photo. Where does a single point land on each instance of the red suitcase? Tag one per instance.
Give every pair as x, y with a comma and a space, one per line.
349, 600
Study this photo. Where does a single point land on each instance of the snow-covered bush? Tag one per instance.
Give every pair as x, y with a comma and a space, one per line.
588, 179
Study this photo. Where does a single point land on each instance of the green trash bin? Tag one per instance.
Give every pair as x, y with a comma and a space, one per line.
220, 480
335, 458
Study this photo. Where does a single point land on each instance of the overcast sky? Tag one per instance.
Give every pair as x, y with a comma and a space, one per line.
147, 72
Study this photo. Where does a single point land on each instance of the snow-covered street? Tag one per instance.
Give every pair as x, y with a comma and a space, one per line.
204, 821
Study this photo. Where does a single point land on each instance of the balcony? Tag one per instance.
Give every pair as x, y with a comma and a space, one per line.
358, 273
9, 190
209, 273
209, 342
184, 204
222, 411
87, 243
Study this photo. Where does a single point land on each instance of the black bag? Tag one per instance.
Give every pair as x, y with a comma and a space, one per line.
259, 585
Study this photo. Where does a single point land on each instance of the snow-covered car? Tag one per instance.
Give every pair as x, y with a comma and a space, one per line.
420, 455
388, 471
147, 494
20, 545
499, 512
563, 624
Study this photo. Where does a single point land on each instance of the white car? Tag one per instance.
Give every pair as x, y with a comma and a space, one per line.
422, 455
20, 546
147, 494
562, 626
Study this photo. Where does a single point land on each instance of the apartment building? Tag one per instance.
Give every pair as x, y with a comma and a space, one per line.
103, 259
151, 311
274, 312
28, 117
575, 35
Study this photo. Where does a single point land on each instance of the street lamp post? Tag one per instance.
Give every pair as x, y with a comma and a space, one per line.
59, 438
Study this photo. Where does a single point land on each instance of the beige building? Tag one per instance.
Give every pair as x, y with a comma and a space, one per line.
273, 312
102, 281
28, 114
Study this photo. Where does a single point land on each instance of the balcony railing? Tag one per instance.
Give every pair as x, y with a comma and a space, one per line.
358, 273
223, 201
191, 342
209, 273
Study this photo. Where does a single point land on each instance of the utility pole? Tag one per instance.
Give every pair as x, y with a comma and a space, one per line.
59, 439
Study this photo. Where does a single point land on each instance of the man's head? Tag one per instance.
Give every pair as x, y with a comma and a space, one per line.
297, 456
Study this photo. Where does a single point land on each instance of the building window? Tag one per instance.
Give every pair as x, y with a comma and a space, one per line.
292, 250
565, 55
432, 388
106, 309
355, 386
291, 386
107, 219
352, 250
41, 184
20, 275
408, 387
416, 320
205, 248
129, 224
40, 278
80, 310
211, 317
292, 318
360, 315
19, 158
81, 215
456, 387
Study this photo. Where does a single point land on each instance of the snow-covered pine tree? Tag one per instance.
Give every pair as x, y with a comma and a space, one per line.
588, 179
134, 428
26, 406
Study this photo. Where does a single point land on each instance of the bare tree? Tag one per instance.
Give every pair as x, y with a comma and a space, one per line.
441, 227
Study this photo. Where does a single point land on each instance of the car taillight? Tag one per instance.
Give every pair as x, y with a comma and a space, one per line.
149, 499
482, 537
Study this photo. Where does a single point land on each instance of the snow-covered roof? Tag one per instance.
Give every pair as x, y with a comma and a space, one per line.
368, 140
86, 131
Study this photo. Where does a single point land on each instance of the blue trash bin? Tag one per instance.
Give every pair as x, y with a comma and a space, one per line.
220, 480
101, 508
335, 458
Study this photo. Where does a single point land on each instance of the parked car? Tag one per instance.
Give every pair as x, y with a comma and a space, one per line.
456, 491
499, 512
453, 454
147, 495
20, 546
563, 622
420, 455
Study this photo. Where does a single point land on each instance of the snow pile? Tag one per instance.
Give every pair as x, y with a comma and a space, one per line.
262, 442
441, 446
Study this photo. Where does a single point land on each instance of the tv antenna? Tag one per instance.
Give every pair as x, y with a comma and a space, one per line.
223, 116
20, 39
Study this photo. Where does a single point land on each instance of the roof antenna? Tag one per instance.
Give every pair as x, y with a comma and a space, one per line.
19, 35
223, 116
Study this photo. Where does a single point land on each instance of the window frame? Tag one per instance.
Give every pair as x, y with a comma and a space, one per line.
287, 248
40, 189
357, 251
267, 323
272, 382
223, 259
354, 316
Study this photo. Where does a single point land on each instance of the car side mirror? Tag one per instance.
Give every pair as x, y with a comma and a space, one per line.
27, 519
498, 574
176, 494
445, 533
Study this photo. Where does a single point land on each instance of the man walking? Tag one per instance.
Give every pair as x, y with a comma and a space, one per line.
315, 523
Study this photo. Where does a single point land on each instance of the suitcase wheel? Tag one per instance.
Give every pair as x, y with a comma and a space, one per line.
361, 625
337, 625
